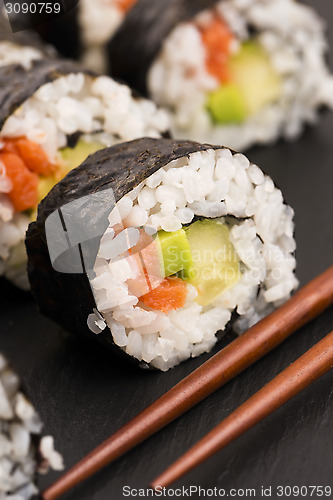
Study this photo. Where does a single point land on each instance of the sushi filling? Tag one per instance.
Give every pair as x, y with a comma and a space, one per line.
242, 73
22, 451
204, 237
99, 20
37, 148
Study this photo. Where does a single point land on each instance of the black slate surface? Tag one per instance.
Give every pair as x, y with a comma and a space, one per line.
84, 395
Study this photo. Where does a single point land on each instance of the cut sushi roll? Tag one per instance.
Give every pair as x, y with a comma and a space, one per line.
23, 452
231, 72
85, 30
98, 22
175, 241
52, 117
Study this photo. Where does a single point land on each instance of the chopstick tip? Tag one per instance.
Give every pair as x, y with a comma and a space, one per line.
156, 485
163, 480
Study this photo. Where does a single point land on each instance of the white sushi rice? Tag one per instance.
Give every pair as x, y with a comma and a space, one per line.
212, 184
11, 53
294, 37
98, 20
20, 429
72, 103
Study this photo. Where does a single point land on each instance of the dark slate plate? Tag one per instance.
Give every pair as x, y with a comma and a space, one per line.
84, 395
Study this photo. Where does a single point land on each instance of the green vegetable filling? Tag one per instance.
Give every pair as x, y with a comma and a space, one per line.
68, 159
227, 105
254, 83
203, 255
73, 157
174, 251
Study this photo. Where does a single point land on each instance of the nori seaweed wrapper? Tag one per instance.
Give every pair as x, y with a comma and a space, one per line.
139, 39
63, 33
18, 84
67, 298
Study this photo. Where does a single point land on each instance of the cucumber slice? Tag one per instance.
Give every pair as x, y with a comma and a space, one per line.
215, 266
255, 83
227, 105
174, 250
253, 73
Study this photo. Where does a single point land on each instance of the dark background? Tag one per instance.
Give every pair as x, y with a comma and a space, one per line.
84, 395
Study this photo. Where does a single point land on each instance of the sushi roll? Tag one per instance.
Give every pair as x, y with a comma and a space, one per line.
23, 452
156, 247
232, 72
52, 117
85, 30
98, 22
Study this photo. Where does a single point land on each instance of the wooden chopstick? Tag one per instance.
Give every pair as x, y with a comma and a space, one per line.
299, 375
305, 305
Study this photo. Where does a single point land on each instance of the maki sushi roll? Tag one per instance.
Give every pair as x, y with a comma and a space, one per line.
52, 117
85, 30
98, 22
23, 452
155, 247
231, 72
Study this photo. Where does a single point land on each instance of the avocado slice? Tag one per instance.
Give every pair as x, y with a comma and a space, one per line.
253, 73
214, 266
227, 105
174, 251
73, 157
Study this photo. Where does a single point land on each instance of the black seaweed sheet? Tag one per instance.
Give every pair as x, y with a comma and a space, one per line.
139, 39
63, 33
67, 298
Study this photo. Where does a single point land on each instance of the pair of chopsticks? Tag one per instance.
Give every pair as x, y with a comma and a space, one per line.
299, 375
304, 306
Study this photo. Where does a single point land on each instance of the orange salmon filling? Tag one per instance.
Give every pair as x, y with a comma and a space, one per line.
126, 5
169, 295
24, 162
24, 193
217, 39
152, 289
32, 154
